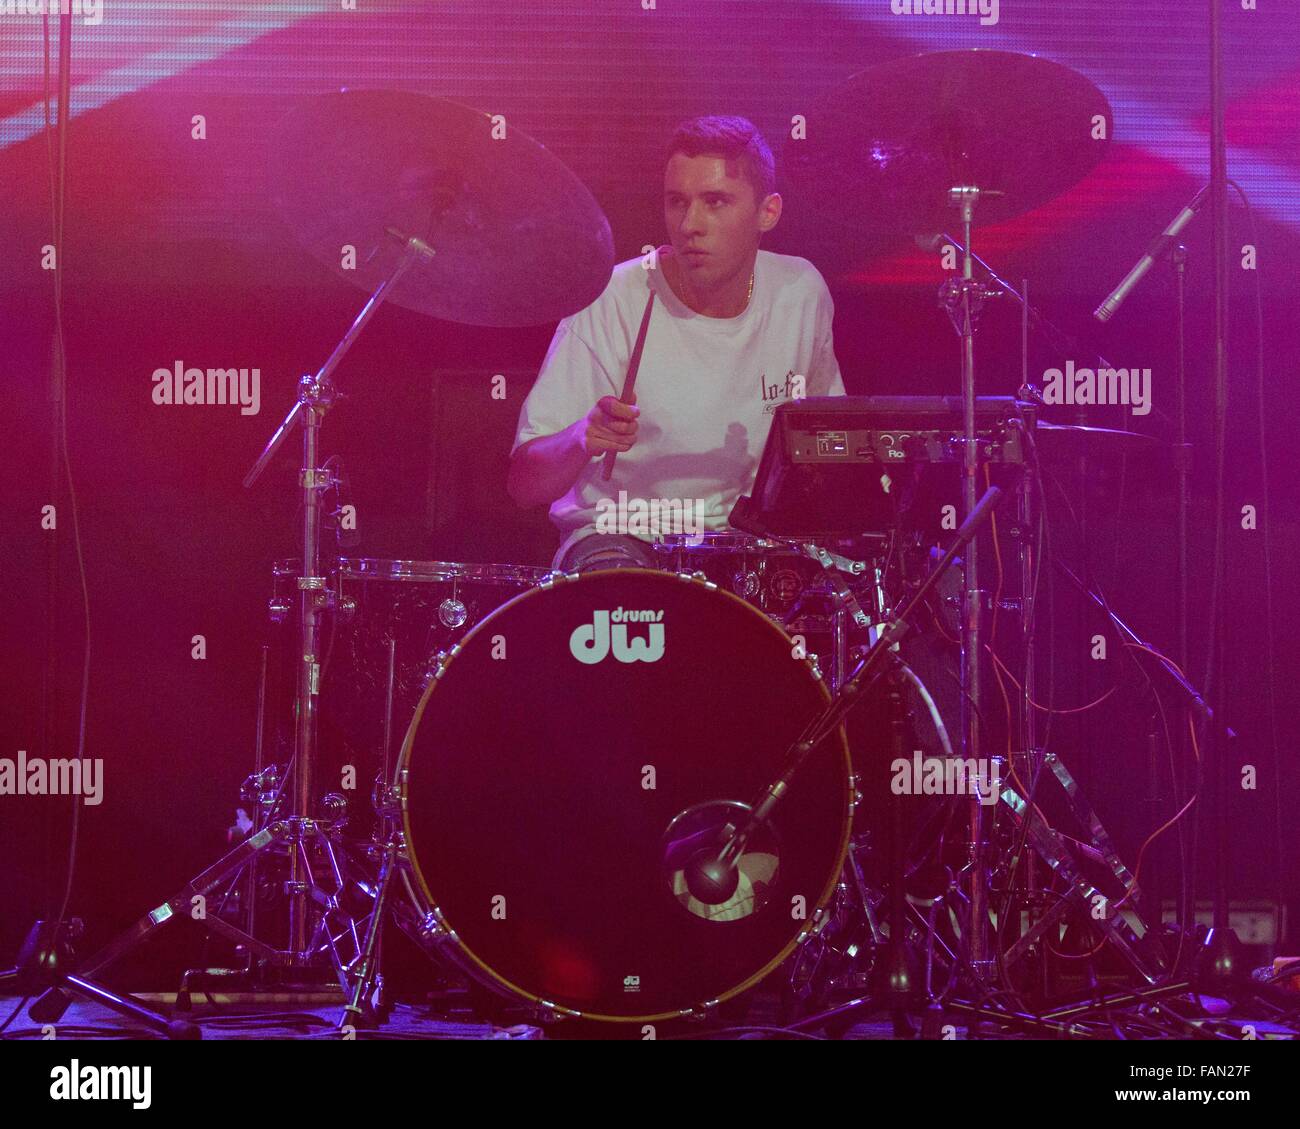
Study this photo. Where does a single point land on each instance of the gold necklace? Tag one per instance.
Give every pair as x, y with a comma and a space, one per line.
748, 297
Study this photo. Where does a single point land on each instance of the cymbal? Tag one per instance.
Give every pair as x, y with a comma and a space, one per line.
885, 146
519, 239
1068, 440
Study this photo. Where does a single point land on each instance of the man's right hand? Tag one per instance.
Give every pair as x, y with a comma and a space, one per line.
545, 468
609, 426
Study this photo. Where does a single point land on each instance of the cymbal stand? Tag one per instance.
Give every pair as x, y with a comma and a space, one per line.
316, 395
295, 832
964, 299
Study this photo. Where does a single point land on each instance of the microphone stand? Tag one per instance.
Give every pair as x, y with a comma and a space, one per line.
714, 869
1062, 342
848, 696
712, 875
293, 832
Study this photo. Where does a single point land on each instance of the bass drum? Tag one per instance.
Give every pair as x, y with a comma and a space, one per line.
575, 751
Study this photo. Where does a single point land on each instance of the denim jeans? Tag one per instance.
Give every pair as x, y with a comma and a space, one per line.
608, 550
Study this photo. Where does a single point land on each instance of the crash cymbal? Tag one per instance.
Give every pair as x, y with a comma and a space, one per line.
1068, 440
885, 146
519, 240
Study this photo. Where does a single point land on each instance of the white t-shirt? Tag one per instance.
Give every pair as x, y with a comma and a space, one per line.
707, 388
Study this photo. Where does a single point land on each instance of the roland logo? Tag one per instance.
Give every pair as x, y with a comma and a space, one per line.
591, 642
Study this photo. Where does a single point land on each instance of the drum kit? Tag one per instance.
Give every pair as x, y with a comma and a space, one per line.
630, 795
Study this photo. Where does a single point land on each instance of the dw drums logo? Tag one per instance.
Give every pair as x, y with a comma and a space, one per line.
591, 642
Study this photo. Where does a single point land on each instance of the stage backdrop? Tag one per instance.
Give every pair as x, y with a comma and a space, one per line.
174, 254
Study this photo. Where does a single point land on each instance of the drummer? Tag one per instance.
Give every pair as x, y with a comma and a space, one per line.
734, 331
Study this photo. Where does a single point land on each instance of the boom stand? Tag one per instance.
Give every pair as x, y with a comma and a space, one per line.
297, 831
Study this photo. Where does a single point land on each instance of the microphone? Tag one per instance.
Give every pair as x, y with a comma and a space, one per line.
699, 857
1159, 245
702, 851
709, 878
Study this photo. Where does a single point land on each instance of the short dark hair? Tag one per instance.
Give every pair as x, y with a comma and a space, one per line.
733, 139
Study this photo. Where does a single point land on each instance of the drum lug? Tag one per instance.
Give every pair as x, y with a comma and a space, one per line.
819, 920
434, 930
438, 664
702, 1013
431, 930
855, 793
697, 577
547, 1013
386, 798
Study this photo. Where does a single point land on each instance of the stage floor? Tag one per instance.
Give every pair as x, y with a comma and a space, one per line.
235, 1018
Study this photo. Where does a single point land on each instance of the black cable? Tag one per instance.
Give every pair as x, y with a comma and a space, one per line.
1188, 864
1096, 590
1047, 550
1030, 626
257, 1020
58, 174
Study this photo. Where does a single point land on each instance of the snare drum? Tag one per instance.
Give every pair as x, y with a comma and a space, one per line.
786, 584
768, 574
575, 752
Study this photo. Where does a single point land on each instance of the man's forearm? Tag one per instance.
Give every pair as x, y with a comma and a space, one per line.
544, 469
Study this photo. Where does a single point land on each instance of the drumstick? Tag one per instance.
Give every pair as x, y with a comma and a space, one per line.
629, 381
